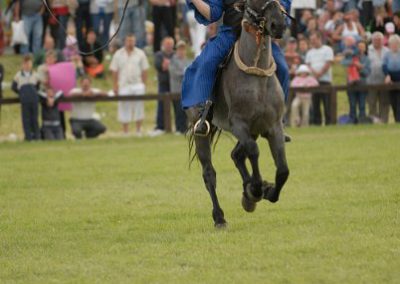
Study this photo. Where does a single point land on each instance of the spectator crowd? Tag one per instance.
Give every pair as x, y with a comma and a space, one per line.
77, 36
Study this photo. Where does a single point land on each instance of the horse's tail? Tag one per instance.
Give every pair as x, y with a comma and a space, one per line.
213, 136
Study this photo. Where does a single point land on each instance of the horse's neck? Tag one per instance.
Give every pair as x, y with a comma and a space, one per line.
249, 50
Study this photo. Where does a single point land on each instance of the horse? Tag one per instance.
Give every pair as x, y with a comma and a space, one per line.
248, 103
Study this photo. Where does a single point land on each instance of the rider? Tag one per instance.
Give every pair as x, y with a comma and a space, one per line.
199, 77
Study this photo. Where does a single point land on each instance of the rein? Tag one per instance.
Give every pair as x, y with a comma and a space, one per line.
101, 47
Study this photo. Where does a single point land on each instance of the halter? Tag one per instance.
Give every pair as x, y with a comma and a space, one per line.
256, 27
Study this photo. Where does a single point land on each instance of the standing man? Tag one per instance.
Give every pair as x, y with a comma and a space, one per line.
129, 73
162, 60
378, 101
319, 59
31, 13
177, 67
163, 17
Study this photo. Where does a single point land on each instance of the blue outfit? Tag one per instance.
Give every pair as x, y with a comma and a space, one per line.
200, 76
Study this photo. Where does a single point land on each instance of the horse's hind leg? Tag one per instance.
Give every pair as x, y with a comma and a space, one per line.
203, 151
252, 191
276, 142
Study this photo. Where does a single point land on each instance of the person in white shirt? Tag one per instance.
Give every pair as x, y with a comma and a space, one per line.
319, 59
83, 113
129, 72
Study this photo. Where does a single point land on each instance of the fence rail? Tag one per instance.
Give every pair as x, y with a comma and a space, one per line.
168, 98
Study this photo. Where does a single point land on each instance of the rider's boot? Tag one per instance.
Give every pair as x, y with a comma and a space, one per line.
202, 126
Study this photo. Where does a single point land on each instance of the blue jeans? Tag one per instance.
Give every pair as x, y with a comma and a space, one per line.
282, 69
33, 26
357, 98
134, 23
104, 19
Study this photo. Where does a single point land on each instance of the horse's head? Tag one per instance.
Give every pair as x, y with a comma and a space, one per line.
267, 15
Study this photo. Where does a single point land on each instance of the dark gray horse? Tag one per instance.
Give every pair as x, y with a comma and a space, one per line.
249, 104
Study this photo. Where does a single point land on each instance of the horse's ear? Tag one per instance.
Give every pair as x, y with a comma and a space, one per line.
239, 6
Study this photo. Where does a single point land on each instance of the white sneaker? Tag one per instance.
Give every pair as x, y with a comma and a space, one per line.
156, 132
139, 134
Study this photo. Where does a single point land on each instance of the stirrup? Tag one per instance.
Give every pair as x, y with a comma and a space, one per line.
197, 125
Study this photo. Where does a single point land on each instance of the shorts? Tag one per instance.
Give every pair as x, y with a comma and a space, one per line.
129, 111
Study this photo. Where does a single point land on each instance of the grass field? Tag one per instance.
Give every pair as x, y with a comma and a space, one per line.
130, 211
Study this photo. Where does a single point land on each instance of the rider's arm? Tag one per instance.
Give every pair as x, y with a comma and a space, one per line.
206, 11
203, 8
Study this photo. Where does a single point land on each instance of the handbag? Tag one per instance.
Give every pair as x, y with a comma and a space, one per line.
18, 33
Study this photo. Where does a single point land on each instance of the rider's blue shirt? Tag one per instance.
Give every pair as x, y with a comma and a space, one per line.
200, 76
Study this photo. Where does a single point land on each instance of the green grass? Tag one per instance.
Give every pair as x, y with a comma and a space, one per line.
129, 211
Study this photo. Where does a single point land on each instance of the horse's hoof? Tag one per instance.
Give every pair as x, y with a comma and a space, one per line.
250, 195
269, 192
222, 225
248, 205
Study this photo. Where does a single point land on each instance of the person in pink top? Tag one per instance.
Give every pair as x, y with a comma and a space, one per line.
302, 101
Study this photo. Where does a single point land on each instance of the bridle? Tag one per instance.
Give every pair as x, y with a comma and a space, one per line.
254, 23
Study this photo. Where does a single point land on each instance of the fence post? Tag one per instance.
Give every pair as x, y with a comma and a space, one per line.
333, 105
167, 112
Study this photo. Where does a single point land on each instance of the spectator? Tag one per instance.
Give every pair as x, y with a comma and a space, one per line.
302, 101
129, 71
163, 17
350, 27
43, 70
134, 21
82, 20
292, 56
389, 30
391, 68
198, 32
58, 25
319, 59
378, 101
396, 21
303, 49
71, 49
51, 117
31, 13
102, 14
82, 117
40, 56
161, 61
26, 85
176, 69
358, 69
93, 62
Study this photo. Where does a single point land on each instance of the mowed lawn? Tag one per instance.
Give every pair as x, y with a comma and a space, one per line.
130, 211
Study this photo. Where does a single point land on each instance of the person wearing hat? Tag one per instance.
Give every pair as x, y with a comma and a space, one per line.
178, 64
302, 101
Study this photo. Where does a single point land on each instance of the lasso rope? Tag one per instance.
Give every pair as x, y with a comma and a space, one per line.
101, 47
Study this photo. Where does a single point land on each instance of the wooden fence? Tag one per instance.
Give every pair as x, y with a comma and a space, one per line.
168, 98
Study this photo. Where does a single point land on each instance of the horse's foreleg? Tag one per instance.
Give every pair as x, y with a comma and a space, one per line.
276, 142
203, 151
252, 191
238, 156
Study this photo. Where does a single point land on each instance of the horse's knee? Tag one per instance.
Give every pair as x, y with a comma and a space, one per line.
282, 174
252, 149
238, 155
